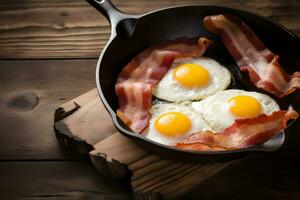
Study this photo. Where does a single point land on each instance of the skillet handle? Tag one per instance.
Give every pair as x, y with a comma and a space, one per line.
121, 24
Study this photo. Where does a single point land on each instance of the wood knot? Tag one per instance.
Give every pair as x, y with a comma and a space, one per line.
21, 101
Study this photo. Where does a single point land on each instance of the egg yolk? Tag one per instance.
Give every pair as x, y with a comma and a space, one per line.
172, 124
191, 75
244, 106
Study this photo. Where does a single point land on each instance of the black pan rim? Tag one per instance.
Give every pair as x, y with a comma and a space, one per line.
134, 135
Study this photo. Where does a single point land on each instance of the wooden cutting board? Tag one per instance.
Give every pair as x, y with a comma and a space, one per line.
84, 125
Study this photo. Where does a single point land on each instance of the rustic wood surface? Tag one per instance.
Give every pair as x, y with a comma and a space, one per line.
73, 29
117, 157
34, 166
152, 175
83, 125
54, 82
65, 180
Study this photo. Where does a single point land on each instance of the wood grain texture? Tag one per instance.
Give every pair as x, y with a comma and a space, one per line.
73, 29
90, 122
63, 180
152, 176
116, 156
53, 82
82, 122
113, 156
34, 29
258, 179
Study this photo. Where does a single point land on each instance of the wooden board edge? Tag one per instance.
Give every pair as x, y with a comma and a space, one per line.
64, 140
70, 107
76, 145
114, 169
60, 113
110, 168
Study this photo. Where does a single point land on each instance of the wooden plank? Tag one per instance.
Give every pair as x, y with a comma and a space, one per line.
151, 176
71, 106
29, 134
258, 179
113, 156
57, 180
73, 29
82, 122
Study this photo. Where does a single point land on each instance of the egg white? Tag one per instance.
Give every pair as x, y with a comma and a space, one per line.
170, 90
198, 124
215, 109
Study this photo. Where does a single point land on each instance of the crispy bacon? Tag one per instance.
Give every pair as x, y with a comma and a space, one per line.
241, 134
135, 82
251, 55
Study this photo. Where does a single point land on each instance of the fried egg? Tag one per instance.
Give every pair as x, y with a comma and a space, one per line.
192, 79
172, 123
221, 109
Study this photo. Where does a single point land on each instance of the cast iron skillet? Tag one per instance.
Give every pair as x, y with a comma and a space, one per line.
130, 34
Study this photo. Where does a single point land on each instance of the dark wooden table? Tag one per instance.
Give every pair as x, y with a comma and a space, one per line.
48, 52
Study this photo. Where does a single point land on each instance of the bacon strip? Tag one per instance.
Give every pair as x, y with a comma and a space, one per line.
135, 82
241, 134
251, 55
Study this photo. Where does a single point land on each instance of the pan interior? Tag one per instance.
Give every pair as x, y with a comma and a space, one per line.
177, 22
